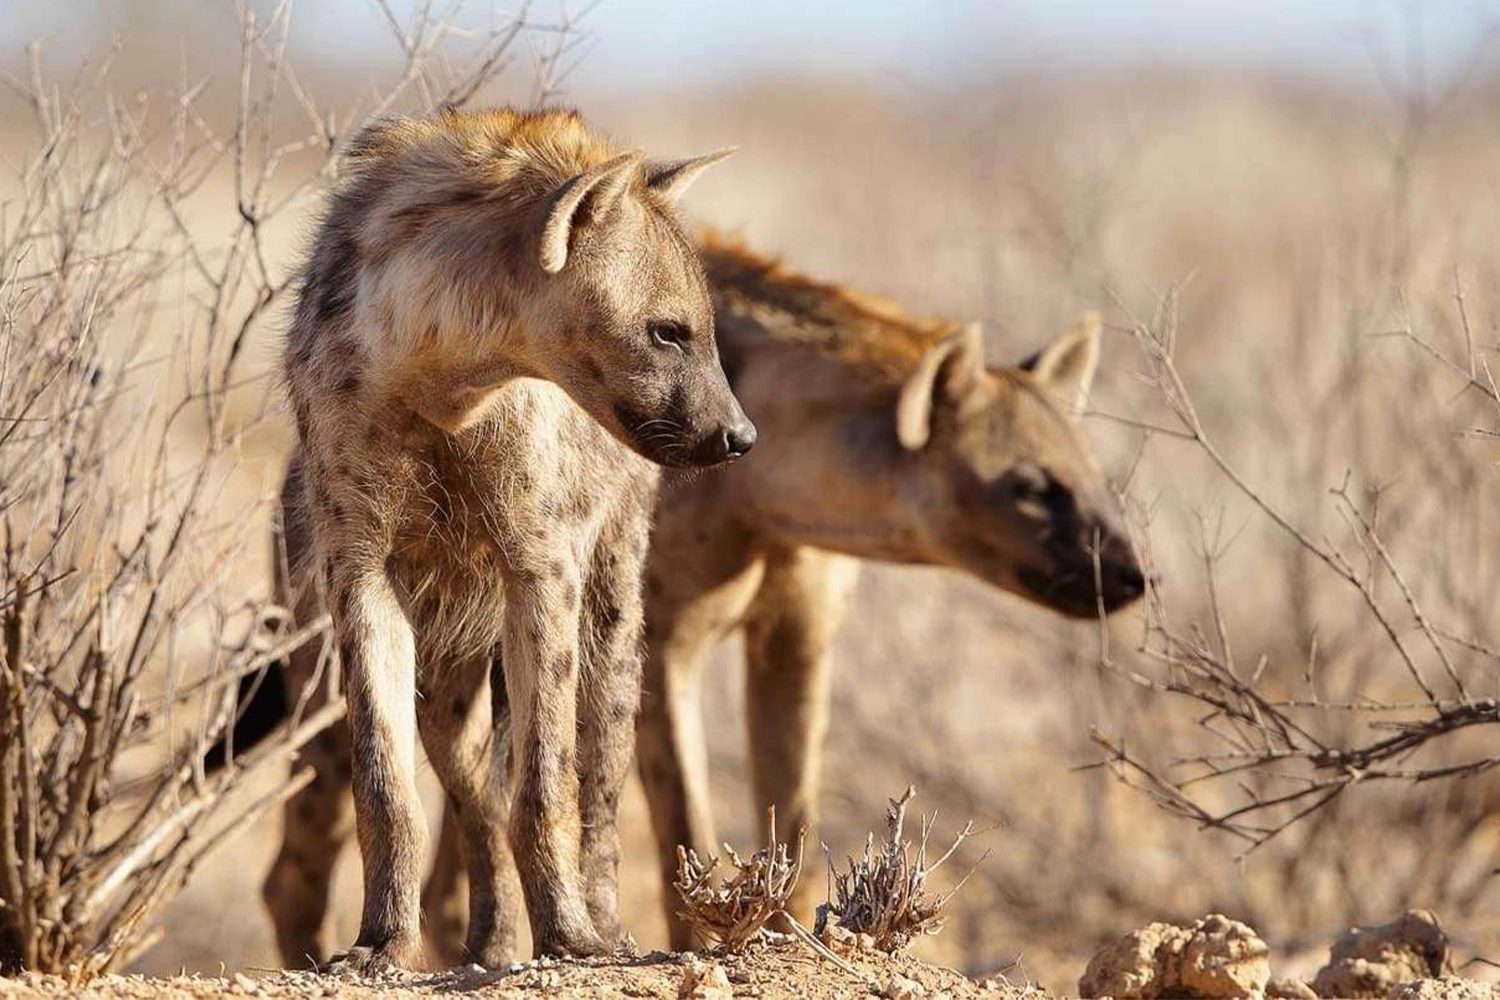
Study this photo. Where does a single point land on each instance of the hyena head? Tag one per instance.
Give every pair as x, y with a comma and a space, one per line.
625, 300
1008, 486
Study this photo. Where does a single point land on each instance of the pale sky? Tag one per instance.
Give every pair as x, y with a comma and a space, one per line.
919, 42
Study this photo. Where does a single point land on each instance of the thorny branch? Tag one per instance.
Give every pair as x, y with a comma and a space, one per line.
1276, 763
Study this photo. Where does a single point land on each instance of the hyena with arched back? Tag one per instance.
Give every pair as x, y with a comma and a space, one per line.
502, 330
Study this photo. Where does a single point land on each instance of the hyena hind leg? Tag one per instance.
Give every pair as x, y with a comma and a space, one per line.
319, 821
445, 907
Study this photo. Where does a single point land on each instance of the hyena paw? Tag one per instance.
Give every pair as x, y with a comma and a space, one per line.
364, 961
580, 943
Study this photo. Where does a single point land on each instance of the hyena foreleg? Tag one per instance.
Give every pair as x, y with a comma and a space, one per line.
379, 663
540, 658
788, 641
468, 752
612, 623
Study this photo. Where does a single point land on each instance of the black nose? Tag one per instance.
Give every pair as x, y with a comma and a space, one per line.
737, 440
1125, 580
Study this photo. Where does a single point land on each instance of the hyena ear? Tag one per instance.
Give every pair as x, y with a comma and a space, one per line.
670, 178
1066, 366
945, 373
585, 199
377, 137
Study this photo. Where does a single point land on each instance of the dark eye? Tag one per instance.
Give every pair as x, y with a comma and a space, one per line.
666, 333
1026, 482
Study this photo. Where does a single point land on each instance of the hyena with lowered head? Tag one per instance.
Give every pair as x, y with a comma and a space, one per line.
893, 441
501, 331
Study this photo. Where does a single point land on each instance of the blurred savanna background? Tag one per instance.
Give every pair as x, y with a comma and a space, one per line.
1288, 213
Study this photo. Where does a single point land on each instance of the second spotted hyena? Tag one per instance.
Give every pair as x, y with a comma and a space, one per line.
501, 331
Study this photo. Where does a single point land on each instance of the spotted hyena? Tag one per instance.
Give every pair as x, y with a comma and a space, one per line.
501, 332
889, 438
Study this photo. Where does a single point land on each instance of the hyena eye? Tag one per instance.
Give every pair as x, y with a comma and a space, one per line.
667, 333
1029, 489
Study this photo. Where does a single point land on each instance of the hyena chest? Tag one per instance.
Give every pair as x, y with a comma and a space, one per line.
487, 506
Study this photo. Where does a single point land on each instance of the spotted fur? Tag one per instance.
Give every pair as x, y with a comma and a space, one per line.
477, 308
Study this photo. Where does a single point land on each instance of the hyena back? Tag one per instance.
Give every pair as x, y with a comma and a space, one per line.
501, 331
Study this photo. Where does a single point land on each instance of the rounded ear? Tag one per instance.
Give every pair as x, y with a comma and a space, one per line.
377, 137
670, 178
945, 373
602, 187
1066, 366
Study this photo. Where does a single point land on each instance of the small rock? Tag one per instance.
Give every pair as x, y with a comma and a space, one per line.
1447, 988
703, 980
1372, 961
1288, 988
901, 988
1224, 958
839, 940
864, 942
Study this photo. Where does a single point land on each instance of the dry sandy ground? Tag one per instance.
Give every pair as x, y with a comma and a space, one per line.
766, 973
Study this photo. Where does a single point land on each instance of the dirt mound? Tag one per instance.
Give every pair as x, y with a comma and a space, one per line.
1371, 961
764, 973
1448, 988
1211, 957
1216, 957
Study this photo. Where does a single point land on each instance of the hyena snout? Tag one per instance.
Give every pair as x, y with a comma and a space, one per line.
717, 429
1120, 578
730, 442
686, 434
1091, 569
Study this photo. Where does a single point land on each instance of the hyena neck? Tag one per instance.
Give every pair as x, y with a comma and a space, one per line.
454, 398
860, 501
451, 379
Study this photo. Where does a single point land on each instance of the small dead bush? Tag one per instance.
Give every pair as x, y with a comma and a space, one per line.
735, 910
883, 893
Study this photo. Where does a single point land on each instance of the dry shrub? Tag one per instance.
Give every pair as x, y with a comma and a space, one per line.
884, 892
1277, 755
735, 910
126, 401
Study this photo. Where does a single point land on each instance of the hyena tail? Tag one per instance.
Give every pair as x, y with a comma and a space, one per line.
264, 699
261, 706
